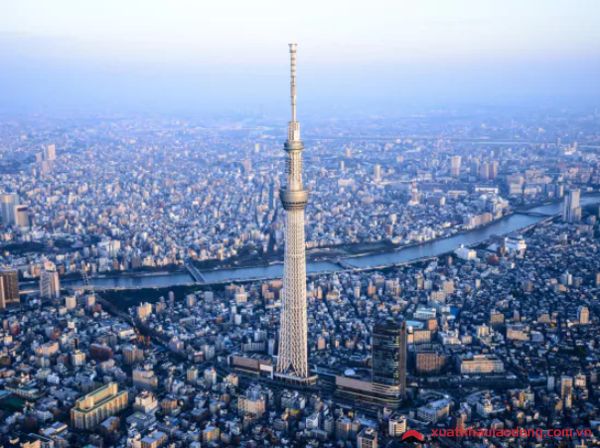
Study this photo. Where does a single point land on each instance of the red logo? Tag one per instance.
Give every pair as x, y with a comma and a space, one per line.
413, 436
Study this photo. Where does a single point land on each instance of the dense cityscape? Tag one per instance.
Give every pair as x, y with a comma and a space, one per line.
498, 334
390, 237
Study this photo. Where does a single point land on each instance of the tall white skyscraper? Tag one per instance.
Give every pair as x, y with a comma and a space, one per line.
292, 361
49, 282
571, 207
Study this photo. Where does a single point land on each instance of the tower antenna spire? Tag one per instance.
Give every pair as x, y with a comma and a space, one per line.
294, 126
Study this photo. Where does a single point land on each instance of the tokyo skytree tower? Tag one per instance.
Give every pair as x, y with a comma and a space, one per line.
293, 344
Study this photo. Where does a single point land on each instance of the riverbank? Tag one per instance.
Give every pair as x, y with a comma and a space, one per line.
392, 257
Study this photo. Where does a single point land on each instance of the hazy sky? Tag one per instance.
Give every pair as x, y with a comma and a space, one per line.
370, 55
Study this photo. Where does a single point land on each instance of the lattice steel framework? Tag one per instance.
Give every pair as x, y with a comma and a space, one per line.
293, 343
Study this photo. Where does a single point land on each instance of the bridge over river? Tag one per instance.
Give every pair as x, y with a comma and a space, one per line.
522, 220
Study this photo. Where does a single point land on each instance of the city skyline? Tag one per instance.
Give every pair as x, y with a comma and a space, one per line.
177, 271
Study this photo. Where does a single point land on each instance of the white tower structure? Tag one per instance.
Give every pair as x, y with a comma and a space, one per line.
292, 362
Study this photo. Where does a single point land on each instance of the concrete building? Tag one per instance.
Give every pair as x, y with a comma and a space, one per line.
144, 379
481, 364
22, 217
146, 402
363, 390
50, 152
155, 439
429, 358
367, 438
8, 202
253, 402
397, 425
455, 166
211, 434
144, 310
377, 173
49, 282
94, 407
435, 411
389, 354
566, 391
9, 288
571, 206
583, 315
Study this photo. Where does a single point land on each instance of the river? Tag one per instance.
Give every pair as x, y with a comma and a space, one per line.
432, 248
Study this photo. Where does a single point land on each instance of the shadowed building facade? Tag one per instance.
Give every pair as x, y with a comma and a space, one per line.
9, 287
389, 354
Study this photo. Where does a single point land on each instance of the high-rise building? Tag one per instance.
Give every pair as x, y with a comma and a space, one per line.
397, 425
8, 202
292, 361
96, 406
455, 166
50, 152
583, 315
367, 438
566, 390
22, 216
571, 207
9, 288
49, 282
494, 169
484, 170
377, 173
474, 168
414, 193
389, 353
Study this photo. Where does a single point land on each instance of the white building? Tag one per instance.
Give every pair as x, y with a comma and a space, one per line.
49, 282
434, 411
465, 253
481, 364
515, 244
397, 425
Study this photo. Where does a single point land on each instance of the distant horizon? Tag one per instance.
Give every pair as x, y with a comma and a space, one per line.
153, 58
